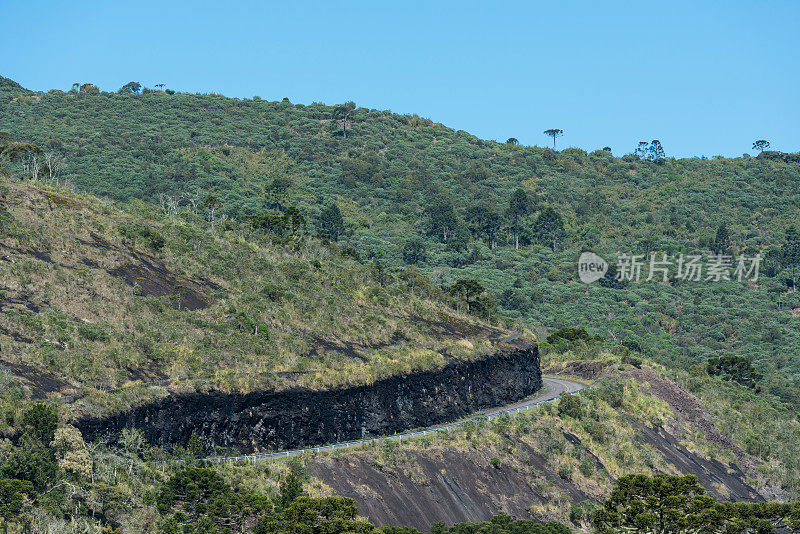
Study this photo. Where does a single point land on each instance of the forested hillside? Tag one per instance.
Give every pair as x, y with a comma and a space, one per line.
401, 189
244, 245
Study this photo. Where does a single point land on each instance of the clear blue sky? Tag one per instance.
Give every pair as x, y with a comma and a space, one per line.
705, 78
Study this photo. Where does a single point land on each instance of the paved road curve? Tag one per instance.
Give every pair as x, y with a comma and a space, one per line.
552, 388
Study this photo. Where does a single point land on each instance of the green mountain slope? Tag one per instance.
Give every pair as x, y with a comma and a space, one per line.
412, 191
205, 271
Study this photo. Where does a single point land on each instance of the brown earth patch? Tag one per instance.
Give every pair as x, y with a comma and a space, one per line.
711, 473
41, 383
451, 327
443, 485
586, 369
684, 405
150, 277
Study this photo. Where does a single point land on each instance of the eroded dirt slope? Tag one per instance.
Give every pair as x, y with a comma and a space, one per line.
456, 480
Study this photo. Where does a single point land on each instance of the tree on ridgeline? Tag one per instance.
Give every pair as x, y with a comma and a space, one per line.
131, 87
554, 132
655, 152
761, 145
512, 141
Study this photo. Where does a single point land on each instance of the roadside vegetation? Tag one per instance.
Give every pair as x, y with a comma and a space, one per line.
588, 443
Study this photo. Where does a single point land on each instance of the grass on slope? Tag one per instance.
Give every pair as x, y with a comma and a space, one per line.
99, 301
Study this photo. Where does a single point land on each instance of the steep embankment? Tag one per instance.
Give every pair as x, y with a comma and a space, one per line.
268, 421
540, 463
454, 486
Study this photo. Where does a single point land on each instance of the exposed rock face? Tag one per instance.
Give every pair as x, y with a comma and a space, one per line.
454, 485
269, 421
444, 485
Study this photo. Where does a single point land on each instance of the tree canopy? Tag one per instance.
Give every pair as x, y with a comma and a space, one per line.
679, 505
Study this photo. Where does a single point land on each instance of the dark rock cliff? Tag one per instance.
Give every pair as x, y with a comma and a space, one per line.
297, 418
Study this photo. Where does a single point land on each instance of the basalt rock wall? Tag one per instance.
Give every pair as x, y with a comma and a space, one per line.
297, 418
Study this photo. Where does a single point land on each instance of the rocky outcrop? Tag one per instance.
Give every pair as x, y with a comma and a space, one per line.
420, 487
297, 418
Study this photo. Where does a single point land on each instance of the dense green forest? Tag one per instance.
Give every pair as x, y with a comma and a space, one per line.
400, 189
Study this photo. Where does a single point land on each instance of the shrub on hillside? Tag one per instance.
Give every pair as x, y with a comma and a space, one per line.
570, 406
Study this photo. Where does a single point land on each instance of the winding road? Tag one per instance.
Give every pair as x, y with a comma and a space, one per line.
552, 387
